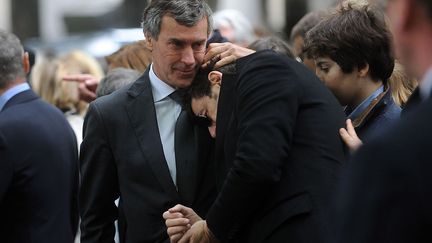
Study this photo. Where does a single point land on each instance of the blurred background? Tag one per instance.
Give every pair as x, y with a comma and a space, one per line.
100, 27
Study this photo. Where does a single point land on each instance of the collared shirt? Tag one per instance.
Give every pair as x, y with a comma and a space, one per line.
167, 112
426, 85
6, 96
362, 107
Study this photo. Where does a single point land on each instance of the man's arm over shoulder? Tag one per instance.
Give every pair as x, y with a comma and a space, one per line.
99, 183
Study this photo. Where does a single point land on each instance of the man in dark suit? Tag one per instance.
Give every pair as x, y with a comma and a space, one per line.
134, 149
385, 194
277, 149
38, 158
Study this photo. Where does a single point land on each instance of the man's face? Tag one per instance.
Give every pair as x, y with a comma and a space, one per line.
206, 107
178, 52
343, 85
402, 38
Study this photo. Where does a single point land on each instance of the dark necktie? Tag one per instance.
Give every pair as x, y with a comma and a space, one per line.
184, 146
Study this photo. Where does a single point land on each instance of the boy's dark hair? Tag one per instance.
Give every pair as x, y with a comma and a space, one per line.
354, 36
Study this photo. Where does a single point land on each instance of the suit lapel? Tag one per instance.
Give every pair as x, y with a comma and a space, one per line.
141, 112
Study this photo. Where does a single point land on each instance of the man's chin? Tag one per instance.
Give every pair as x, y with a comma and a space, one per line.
184, 83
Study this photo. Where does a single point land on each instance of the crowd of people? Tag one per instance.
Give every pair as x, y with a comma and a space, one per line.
207, 132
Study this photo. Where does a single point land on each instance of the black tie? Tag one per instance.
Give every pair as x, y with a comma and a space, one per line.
184, 146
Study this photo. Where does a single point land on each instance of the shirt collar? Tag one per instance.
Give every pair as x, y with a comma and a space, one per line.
160, 89
362, 107
426, 85
6, 96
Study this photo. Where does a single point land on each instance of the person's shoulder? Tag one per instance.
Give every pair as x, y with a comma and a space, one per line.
407, 137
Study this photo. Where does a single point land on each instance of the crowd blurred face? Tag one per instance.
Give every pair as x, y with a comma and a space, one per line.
402, 36
298, 44
206, 106
343, 85
178, 51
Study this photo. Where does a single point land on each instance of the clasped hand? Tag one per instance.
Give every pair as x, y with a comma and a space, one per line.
184, 225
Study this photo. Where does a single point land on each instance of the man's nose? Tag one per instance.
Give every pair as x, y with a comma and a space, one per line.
188, 57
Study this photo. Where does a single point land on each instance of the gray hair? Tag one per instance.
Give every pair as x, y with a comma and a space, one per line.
11, 54
115, 79
185, 12
244, 32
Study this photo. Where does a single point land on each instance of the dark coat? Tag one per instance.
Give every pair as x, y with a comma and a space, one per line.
279, 153
122, 156
38, 172
385, 194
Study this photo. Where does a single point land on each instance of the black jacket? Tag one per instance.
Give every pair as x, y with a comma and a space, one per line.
38, 172
278, 152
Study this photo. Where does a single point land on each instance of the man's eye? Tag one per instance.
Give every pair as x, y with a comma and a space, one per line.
198, 46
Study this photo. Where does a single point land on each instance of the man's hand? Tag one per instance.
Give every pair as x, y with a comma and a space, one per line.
87, 85
178, 220
224, 53
349, 136
198, 233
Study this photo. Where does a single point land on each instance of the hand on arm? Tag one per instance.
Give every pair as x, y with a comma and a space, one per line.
225, 53
349, 136
179, 220
198, 233
87, 85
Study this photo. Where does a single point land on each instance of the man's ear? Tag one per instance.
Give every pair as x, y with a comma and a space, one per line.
149, 42
363, 71
215, 77
26, 62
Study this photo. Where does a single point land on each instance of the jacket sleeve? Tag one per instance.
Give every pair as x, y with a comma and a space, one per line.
99, 184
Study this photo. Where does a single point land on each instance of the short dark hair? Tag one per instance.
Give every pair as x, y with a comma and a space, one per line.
11, 54
185, 12
201, 85
354, 36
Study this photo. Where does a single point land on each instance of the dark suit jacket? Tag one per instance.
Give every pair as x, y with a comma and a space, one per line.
38, 172
122, 156
385, 194
279, 151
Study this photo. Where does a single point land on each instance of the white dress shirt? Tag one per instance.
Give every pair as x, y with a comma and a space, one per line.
167, 112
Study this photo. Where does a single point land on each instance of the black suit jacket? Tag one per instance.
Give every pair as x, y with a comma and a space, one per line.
38, 172
122, 156
385, 193
278, 151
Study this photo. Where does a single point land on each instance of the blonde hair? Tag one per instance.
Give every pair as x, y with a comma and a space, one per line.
401, 84
48, 79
